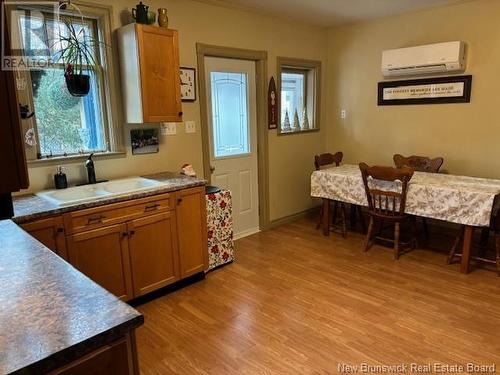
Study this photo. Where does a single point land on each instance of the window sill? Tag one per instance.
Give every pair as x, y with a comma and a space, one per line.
297, 131
74, 158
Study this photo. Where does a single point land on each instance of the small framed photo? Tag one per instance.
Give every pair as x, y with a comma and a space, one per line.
144, 141
188, 84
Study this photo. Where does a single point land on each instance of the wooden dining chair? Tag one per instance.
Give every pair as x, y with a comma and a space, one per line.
328, 160
419, 164
387, 205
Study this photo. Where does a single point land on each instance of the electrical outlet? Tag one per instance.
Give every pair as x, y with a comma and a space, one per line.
190, 127
343, 114
168, 128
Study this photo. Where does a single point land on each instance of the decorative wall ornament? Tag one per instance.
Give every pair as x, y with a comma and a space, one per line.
30, 137
272, 105
456, 89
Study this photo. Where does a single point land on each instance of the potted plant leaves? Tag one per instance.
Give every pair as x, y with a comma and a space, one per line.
76, 50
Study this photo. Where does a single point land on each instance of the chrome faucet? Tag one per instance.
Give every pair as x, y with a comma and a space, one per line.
89, 164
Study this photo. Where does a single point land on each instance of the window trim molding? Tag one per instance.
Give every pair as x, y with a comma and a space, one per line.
103, 15
290, 63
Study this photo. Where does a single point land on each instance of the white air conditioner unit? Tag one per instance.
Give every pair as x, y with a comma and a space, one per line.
428, 59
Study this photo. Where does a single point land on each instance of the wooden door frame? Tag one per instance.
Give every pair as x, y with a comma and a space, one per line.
260, 59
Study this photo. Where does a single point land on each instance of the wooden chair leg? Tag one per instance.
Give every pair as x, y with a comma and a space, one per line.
453, 250
414, 241
335, 210
320, 220
426, 229
483, 244
326, 217
343, 216
369, 234
497, 246
352, 217
396, 241
361, 218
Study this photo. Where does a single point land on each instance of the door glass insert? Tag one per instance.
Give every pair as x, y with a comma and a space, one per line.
230, 125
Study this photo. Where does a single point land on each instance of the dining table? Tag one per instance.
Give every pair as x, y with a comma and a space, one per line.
464, 200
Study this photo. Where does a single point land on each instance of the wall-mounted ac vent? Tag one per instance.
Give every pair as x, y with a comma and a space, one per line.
428, 59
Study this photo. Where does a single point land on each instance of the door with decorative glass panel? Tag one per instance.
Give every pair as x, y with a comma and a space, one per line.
232, 119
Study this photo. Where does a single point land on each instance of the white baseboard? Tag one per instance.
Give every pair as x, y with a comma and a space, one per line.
245, 233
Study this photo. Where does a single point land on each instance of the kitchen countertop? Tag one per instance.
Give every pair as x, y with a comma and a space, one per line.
50, 313
32, 207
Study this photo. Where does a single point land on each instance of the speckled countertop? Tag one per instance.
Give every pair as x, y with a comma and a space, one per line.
50, 313
31, 207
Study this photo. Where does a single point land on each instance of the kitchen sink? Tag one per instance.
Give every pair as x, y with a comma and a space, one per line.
129, 185
87, 193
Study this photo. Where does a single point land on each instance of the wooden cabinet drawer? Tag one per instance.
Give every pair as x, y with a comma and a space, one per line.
116, 213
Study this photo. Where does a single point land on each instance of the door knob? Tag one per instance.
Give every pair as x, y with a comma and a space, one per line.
212, 169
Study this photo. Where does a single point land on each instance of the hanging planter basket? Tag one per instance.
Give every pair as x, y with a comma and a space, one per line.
76, 51
78, 84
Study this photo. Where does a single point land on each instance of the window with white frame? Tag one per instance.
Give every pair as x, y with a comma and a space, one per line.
299, 95
63, 124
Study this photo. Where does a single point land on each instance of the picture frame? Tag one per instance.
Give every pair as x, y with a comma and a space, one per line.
437, 90
188, 84
144, 141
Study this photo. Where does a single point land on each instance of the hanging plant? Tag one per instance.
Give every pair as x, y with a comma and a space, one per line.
77, 53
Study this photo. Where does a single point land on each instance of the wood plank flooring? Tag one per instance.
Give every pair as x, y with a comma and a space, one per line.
296, 302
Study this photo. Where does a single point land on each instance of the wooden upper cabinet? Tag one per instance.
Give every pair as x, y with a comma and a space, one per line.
50, 232
14, 170
153, 252
149, 61
102, 254
192, 231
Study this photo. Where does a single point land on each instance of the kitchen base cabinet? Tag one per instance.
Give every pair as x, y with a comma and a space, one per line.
191, 223
50, 232
153, 252
135, 247
103, 255
118, 358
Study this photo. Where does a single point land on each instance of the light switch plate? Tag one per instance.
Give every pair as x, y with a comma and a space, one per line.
168, 128
343, 114
190, 127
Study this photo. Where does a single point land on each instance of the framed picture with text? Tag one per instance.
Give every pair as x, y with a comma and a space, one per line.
438, 90
188, 84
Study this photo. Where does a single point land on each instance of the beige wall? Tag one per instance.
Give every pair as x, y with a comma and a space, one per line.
290, 157
466, 135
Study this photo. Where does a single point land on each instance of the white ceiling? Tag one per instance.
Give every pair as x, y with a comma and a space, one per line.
331, 12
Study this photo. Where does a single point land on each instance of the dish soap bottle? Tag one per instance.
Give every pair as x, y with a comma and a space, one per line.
60, 180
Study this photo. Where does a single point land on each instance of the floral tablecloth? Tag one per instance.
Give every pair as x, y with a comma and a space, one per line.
220, 228
457, 199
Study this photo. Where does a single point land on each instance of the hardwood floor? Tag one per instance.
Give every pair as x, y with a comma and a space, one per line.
296, 302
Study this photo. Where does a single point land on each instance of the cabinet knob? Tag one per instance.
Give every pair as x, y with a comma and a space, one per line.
131, 233
181, 113
124, 234
179, 200
60, 230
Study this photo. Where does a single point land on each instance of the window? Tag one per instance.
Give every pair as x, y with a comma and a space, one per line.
299, 95
63, 125
229, 93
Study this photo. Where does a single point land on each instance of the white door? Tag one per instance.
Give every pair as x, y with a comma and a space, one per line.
232, 118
